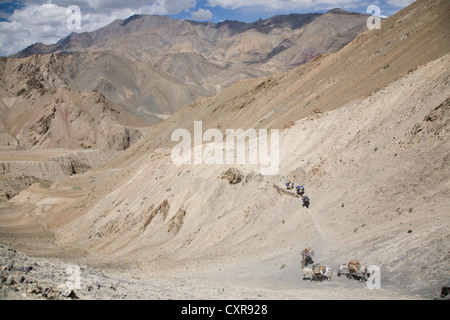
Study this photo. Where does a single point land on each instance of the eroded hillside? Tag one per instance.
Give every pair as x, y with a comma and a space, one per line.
366, 132
164, 64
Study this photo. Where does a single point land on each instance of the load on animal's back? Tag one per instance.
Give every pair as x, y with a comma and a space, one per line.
353, 269
317, 272
354, 265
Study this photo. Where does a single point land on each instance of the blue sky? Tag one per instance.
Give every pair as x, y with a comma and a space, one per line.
24, 22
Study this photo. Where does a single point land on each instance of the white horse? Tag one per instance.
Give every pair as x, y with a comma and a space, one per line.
317, 272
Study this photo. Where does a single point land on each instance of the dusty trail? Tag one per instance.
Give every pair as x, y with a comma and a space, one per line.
375, 164
267, 276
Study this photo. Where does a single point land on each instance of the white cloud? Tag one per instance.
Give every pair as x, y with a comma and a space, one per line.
108, 6
201, 14
44, 23
302, 4
282, 4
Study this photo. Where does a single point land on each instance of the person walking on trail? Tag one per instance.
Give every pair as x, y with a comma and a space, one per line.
305, 201
289, 185
300, 190
307, 255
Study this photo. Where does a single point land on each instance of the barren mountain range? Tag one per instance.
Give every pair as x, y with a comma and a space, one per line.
364, 129
155, 64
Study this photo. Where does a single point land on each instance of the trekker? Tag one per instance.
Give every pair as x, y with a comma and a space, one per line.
306, 200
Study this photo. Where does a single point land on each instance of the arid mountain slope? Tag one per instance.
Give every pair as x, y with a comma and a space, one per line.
134, 86
151, 66
378, 184
365, 130
213, 56
412, 37
83, 100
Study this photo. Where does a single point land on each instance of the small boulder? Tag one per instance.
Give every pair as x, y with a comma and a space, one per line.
233, 175
69, 293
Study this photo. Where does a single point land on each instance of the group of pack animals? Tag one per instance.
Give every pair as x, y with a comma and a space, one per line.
300, 192
352, 270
